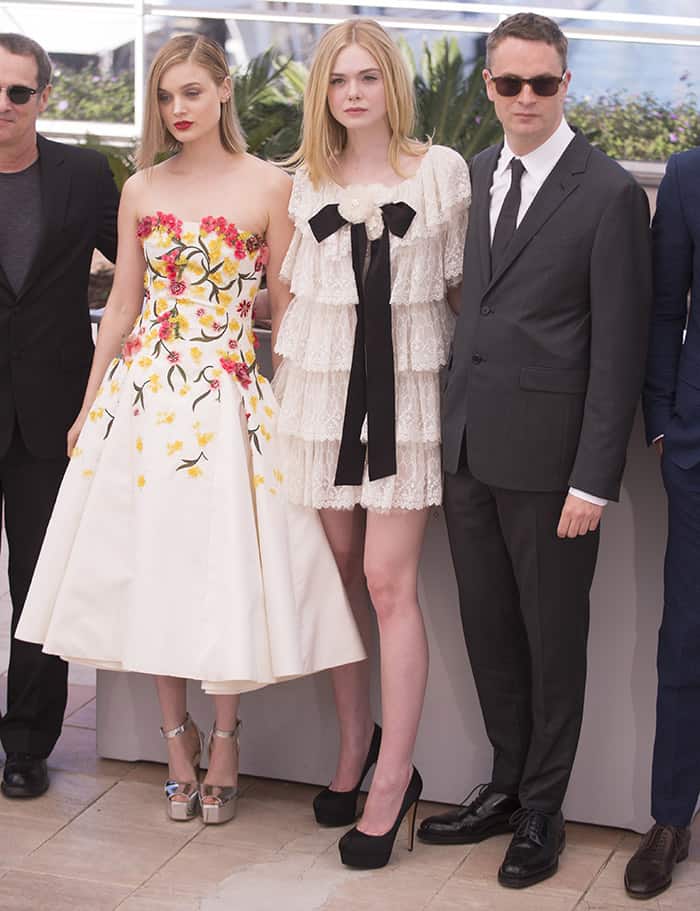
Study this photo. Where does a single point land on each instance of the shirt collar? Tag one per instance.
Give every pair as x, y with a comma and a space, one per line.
539, 162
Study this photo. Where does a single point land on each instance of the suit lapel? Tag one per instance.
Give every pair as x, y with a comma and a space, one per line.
561, 182
55, 181
482, 211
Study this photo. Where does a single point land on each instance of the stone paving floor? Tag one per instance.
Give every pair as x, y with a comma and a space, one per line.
99, 840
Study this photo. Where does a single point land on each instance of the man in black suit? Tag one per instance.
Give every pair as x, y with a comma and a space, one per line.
58, 203
546, 371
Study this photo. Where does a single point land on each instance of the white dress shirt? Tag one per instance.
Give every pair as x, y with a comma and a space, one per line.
538, 166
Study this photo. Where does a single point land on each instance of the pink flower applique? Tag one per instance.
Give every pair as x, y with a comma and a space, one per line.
242, 374
174, 357
177, 288
244, 308
131, 346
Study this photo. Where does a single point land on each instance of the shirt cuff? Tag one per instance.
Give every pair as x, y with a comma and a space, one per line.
588, 497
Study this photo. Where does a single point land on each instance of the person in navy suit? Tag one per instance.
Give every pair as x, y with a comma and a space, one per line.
672, 414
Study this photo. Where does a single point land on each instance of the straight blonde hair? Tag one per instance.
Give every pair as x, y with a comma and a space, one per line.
156, 140
323, 138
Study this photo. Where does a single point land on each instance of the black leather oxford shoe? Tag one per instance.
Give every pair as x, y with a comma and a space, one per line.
24, 776
488, 814
533, 854
650, 868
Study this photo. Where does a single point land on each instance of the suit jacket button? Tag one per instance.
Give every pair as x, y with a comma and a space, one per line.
476, 358
485, 311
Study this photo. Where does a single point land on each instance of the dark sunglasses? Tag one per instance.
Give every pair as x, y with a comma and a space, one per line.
20, 94
510, 86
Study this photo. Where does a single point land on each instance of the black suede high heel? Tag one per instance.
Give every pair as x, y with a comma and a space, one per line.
339, 808
369, 852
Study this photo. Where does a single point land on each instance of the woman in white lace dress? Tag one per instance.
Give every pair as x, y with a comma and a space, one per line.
374, 264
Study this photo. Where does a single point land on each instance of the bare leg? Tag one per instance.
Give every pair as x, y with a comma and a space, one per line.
223, 760
392, 551
173, 707
345, 531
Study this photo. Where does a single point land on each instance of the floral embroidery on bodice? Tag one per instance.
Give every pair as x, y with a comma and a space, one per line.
194, 333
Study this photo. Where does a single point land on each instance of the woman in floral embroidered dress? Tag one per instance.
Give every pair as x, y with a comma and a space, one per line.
377, 254
172, 549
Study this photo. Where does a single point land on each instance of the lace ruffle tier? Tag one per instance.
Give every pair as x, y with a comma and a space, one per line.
317, 335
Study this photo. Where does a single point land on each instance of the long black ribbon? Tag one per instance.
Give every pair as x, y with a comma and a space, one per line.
371, 384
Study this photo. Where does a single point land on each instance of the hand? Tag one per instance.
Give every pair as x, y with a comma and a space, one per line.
578, 517
74, 433
659, 446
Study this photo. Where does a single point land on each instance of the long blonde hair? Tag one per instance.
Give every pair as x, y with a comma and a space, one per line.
322, 137
156, 139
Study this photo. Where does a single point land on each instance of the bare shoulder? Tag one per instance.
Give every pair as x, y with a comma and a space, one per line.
272, 178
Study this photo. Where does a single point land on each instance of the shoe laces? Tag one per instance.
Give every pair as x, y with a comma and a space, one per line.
656, 842
530, 824
472, 802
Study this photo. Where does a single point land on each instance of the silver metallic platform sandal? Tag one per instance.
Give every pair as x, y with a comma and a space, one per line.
221, 805
178, 809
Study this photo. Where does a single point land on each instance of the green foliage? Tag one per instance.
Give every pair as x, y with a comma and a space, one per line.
452, 106
269, 94
88, 95
638, 127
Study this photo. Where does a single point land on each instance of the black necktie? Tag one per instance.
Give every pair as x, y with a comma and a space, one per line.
508, 217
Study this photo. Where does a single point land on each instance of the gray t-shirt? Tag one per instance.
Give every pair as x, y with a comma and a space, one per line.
20, 223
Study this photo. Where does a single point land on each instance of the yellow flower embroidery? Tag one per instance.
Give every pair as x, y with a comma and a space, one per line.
258, 479
268, 411
88, 473
225, 298
184, 390
234, 325
189, 237
140, 481
159, 284
195, 471
198, 291
254, 402
139, 444
174, 447
265, 432
114, 387
165, 417
204, 438
96, 414
261, 379
279, 477
77, 451
231, 267
196, 354
219, 310
206, 320
154, 383
145, 361
215, 249
249, 357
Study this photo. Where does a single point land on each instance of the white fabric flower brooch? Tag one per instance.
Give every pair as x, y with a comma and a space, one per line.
358, 205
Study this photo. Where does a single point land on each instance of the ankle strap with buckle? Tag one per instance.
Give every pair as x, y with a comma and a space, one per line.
180, 729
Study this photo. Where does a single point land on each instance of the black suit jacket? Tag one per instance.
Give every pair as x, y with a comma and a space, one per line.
45, 333
548, 354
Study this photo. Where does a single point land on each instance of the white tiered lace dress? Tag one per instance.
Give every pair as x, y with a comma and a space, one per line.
318, 330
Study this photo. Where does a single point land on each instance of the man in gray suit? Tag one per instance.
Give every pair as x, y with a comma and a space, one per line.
547, 367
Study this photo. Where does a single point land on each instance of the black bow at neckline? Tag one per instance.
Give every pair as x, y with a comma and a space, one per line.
371, 388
